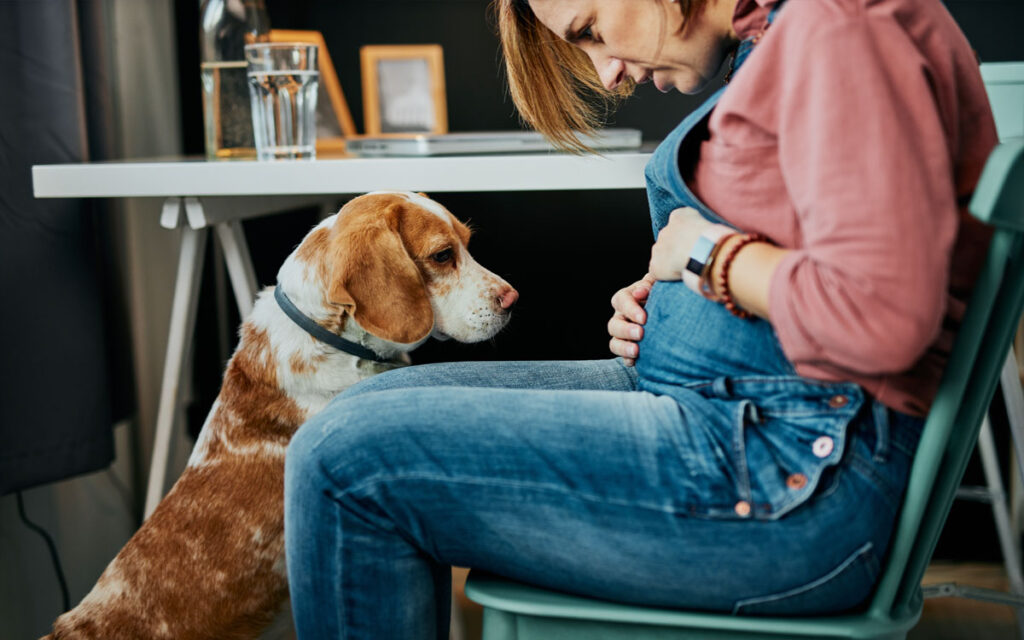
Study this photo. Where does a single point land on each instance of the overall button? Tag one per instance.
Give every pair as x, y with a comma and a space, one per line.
742, 508
838, 402
823, 446
796, 481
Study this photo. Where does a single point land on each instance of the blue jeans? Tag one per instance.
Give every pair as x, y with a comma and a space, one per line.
562, 474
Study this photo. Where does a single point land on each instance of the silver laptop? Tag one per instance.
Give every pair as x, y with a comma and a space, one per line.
474, 142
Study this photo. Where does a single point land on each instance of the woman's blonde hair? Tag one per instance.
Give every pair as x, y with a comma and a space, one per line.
554, 84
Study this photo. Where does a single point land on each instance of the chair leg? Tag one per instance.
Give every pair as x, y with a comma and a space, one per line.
993, 477
1011, 554
1013, 399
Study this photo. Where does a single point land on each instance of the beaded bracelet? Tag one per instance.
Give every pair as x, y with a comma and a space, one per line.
725, 295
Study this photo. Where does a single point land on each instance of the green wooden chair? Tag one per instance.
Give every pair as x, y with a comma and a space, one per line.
520, 612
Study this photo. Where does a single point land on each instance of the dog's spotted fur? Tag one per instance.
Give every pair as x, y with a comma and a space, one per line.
209, 562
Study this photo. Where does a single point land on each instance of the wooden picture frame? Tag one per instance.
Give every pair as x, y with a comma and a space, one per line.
403, 89
334, 121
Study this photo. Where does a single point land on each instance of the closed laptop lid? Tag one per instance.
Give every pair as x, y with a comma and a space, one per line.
474, 142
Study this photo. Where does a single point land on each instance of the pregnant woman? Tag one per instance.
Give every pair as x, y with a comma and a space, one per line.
748, 448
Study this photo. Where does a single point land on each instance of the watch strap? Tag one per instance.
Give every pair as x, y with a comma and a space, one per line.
702, 255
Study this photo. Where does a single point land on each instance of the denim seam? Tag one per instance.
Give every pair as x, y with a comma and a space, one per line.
346, 596
778, 380
517, 484
880, 413
836, 480
740, 452
804, 413
897, 444
864, 549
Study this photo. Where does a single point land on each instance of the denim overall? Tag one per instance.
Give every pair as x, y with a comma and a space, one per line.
781, 435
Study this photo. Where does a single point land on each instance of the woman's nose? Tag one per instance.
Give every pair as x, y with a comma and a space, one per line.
611, 71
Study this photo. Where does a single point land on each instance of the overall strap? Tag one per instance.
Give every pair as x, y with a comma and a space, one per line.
748, 44
666, 189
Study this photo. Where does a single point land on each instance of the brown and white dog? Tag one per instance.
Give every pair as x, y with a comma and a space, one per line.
386, 272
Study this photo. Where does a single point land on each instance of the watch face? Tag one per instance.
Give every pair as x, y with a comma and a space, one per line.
699, 255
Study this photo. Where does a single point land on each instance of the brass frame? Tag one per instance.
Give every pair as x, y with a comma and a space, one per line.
370, 55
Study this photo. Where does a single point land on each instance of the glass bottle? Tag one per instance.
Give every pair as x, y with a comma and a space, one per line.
225, 27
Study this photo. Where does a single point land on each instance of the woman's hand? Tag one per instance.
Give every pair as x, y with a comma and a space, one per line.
675, 241
626, 325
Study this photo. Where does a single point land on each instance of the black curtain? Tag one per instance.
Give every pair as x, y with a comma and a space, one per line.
58, 318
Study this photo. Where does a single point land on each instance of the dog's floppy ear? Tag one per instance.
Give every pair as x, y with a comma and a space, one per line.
375, 279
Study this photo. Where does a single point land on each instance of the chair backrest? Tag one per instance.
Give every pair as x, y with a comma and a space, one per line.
1004, 84
951, 429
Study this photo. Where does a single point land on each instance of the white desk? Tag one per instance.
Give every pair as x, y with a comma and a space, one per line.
195, 177
199, 195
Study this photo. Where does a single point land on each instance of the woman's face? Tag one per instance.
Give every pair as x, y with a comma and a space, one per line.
644, 39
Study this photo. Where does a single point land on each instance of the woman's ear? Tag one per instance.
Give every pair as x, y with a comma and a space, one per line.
376, 281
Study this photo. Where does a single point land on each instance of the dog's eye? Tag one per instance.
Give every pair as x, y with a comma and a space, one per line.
442, 257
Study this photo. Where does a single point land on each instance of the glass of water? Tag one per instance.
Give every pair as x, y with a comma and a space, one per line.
283, 81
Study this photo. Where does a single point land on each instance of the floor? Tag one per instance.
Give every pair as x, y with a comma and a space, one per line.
961, 619
942, 619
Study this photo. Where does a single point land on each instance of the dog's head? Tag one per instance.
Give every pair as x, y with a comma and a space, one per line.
397, 264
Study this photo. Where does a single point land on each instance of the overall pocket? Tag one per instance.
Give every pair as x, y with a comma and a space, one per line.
789, 431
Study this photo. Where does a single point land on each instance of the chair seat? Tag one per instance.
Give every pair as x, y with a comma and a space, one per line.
515, 611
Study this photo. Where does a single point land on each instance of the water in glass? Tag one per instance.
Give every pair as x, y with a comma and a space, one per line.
283, 87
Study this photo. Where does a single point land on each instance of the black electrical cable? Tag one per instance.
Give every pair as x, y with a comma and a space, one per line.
53, 550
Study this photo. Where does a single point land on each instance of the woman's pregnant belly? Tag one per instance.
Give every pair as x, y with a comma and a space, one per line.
688, 338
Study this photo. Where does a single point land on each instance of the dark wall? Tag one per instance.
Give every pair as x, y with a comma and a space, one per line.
475, 85
566, 252
475, 88
992, 26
